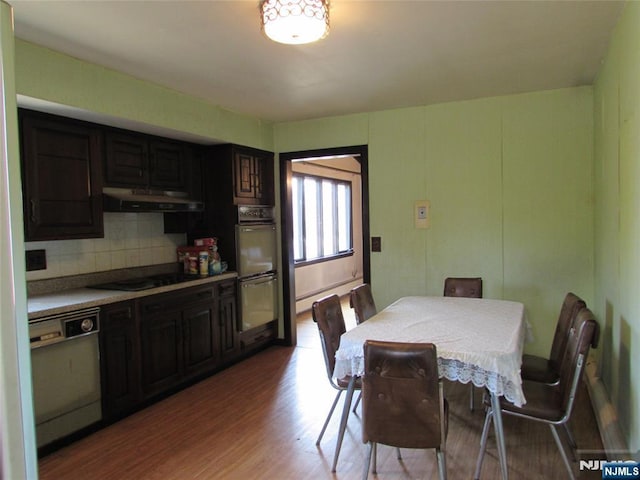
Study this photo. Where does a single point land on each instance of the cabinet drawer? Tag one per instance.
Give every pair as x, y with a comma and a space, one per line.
177, 300
226, 288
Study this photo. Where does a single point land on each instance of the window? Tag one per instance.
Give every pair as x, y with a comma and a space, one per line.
321, 218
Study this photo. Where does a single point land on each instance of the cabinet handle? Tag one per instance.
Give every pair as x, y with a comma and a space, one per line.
34, 210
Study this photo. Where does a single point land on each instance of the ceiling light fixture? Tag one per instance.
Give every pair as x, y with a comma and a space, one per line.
295, 22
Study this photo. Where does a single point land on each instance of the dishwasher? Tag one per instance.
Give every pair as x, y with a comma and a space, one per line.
65, 368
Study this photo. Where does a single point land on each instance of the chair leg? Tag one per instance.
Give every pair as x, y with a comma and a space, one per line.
343, 421
326, 422
471, 402
572, 441
357, 402
556, 437
367, 461
483, 443
442, 464
375, 459
399, 454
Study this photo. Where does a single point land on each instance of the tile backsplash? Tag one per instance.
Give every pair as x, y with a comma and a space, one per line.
130, 240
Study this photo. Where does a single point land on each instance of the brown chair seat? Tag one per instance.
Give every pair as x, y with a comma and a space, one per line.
543, 401
344, 382
538, 369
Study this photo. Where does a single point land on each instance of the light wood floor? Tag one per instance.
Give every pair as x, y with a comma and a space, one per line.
260, 419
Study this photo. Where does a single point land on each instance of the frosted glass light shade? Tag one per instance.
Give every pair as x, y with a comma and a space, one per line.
295, 22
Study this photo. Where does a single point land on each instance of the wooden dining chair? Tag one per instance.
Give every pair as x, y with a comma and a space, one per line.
552, 404
361, 300
403, 403
327, 313
470, 287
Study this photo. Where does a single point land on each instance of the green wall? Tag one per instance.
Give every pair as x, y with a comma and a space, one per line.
48, 75
510, 183
617, 220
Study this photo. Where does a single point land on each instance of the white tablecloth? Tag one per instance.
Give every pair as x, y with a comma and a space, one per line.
478, 340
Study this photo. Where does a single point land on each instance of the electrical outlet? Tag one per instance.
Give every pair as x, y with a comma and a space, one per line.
36, 260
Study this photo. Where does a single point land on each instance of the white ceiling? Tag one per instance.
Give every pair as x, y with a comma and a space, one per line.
379, 54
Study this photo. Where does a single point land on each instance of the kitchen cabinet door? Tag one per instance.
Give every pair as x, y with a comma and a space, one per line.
127, 160
228, 318
120, 359
62, 177
161, 351
135, 160
253, 177
168, 164
200, 339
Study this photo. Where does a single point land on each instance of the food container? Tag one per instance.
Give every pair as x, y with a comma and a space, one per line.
193, 265
203, 263
205, 242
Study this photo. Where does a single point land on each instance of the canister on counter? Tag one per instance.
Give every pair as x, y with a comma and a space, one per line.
193, 265
203, 263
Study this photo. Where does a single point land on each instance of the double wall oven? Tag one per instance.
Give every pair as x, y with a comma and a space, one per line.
256, 250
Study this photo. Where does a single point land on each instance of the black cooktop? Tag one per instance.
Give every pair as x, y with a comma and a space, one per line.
144, 283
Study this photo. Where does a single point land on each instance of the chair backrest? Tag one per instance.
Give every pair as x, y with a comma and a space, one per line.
571, 305
581, 336
402, 401
361, 300
327, 313
463, 287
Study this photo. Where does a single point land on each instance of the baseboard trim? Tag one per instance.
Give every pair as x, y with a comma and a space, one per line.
606, 415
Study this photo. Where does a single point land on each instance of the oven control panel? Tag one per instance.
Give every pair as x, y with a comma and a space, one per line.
255, 214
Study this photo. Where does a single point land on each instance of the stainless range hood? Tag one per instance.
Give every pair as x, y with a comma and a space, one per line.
123, 200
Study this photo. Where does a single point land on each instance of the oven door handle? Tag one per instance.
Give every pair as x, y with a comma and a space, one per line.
258, 280
257, 227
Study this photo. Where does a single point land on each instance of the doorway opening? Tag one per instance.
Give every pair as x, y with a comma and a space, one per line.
330, 170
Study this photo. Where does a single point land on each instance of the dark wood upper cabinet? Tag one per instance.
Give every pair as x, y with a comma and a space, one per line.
142, 161
252, 173
126, 160
62, 177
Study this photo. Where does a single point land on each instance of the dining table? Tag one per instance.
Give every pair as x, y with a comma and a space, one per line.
477, 340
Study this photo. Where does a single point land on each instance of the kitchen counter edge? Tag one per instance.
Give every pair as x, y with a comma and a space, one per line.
65, 301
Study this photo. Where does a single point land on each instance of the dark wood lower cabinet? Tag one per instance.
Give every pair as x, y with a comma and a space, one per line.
159, 343
161, 350
200, 338
229, 340
119, 359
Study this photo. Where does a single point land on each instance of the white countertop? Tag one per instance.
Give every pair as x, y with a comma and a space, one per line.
76, 299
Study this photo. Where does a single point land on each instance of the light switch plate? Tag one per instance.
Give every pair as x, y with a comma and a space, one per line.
421, 214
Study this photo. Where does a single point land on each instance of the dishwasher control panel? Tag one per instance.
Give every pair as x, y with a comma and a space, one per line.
65, 326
